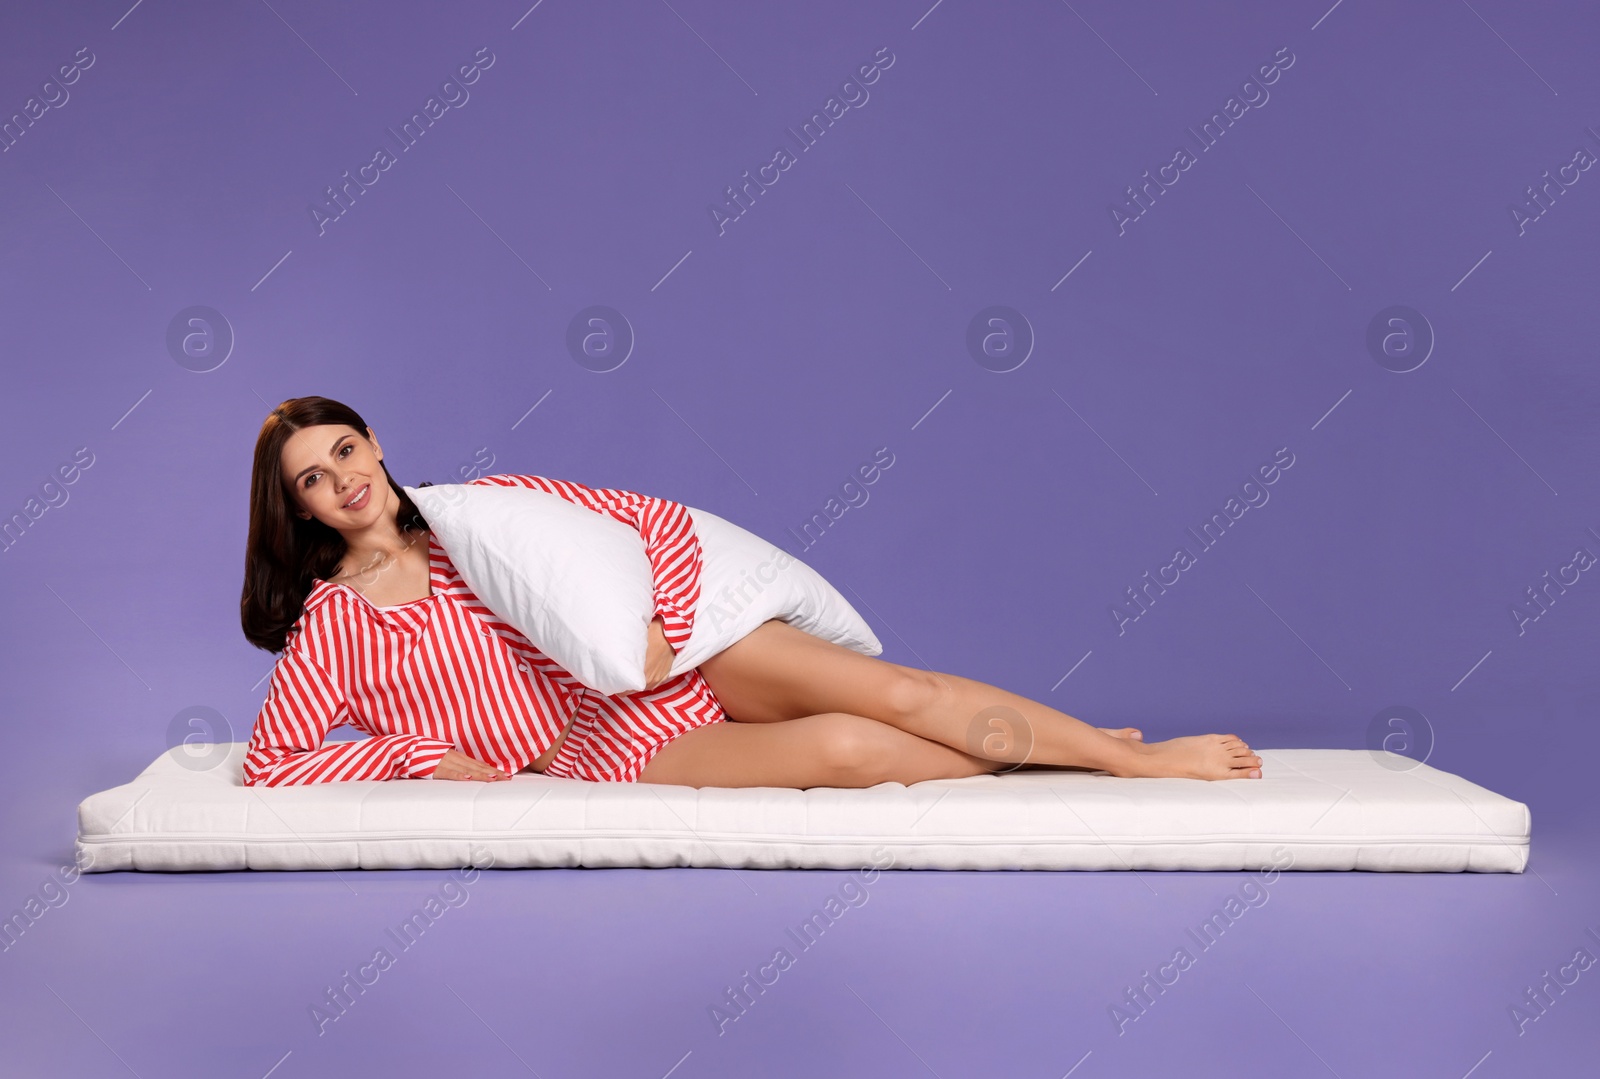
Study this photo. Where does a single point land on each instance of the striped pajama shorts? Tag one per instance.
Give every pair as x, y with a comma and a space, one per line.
612, 738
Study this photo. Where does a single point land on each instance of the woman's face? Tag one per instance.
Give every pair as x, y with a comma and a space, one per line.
335, 476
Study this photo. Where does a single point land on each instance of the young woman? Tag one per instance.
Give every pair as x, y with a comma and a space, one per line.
378, 630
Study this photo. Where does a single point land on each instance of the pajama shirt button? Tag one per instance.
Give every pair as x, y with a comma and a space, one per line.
522, 666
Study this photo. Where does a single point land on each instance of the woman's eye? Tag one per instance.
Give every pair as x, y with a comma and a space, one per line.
313, 477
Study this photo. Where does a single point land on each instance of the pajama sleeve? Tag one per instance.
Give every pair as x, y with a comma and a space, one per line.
303, 704
669, 542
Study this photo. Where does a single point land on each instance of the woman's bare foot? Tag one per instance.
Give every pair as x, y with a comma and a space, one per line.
1196, 756
1133, 734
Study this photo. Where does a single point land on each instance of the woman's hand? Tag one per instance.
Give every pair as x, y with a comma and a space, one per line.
658, 655
457, 765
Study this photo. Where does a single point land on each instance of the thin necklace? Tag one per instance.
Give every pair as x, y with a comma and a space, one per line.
383, 562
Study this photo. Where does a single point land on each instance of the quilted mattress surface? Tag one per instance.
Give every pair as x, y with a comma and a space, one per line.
1316, 809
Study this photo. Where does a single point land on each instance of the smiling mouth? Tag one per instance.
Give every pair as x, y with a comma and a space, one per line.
361, 498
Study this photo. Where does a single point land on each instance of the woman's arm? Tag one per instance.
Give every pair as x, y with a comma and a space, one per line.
669, 542
303, 704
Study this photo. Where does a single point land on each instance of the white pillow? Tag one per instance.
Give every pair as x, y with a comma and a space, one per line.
578, 585
745, 580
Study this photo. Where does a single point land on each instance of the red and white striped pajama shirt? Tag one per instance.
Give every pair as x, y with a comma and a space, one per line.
444, 672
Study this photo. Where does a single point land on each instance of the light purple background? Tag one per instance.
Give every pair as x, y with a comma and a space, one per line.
771, 360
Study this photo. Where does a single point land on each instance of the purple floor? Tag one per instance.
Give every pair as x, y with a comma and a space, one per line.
617, 972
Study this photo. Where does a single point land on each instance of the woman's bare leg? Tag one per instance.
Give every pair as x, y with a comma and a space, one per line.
829, 750
778, 672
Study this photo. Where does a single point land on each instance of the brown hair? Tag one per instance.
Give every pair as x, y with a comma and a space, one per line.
286, 554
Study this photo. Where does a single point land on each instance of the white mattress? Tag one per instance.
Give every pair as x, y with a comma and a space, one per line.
1318, 809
